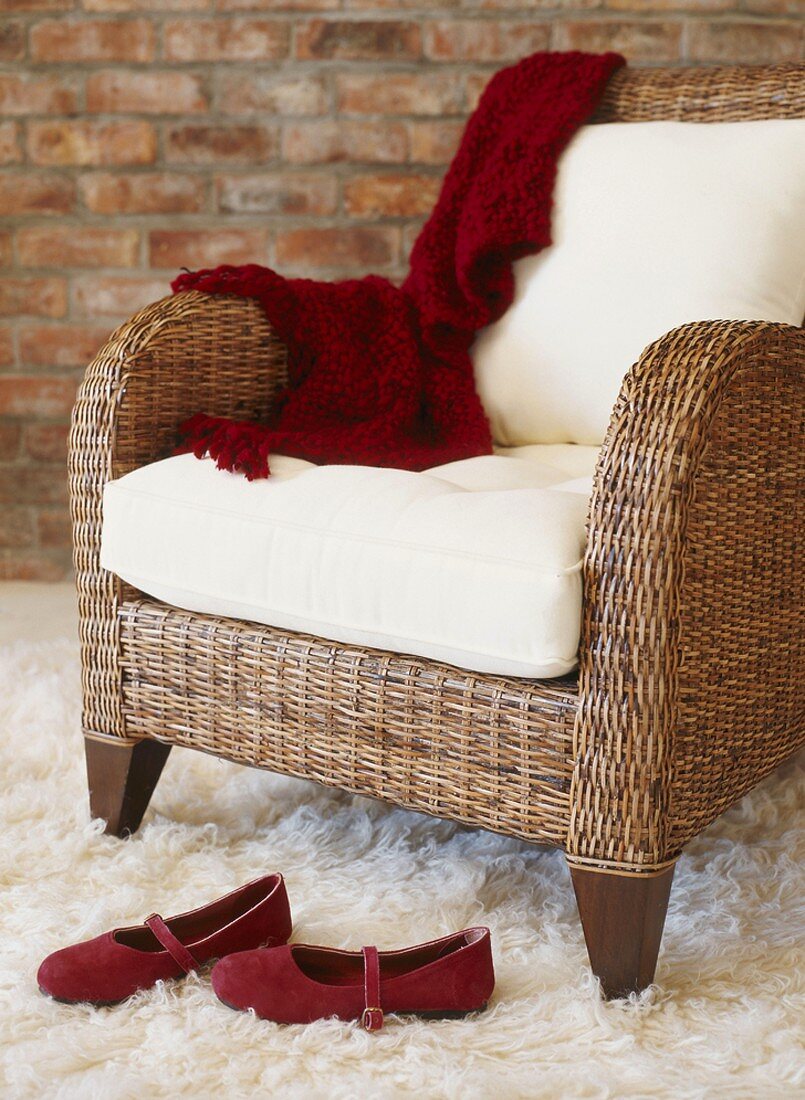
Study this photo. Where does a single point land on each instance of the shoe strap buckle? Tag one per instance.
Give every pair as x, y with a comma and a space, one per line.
372, 1019
372, 1016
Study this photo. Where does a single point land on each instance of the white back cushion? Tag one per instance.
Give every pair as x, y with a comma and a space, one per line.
655, 224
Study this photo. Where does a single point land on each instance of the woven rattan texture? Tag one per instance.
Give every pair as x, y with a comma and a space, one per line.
693, 585
174, 357
694, 612
742, 669
420, 734
735, 93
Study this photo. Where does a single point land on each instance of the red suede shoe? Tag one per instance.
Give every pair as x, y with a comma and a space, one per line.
296, 984
111, 967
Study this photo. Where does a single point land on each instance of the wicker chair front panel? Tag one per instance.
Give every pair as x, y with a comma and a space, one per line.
480, 749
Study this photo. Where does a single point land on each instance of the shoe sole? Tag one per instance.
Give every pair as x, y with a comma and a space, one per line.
92, 1004
446, 1014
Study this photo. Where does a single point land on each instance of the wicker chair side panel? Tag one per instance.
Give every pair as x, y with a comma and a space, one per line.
626, 780
483, 750
742, 671
175, 357
734, 93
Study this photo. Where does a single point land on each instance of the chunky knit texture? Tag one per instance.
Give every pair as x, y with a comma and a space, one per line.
381, 375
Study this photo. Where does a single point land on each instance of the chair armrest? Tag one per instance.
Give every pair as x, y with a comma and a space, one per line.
187, 353
693, 635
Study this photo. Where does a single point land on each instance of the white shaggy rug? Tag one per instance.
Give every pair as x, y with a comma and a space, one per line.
721, 1023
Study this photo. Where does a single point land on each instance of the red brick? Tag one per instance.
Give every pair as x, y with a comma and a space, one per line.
393, 195
83, 142
327, 141
175, 248
77, 246
774, 7
36, 395
16, 526
145, 5
36, 5
640, 6
285, 193
483, 40
12, 40
428, 93
46, 442
226, 39
30, 484
65, 345
53, 527
116, 296
359, 246
35, 94
62, 41
221, 144
6, 253
10, 436
273, 94
276, 5
10, 151
154, 93
640, 40
358, 40
539, 5
729, 42
151, 193
36, 193
410, 233
476, 83
400, 6
34, 565
46, 297
434, 142
6, 346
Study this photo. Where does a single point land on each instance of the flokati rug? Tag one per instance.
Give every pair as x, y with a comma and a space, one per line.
722, 1022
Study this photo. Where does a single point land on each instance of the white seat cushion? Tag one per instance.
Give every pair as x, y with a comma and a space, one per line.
655, 224
476, 563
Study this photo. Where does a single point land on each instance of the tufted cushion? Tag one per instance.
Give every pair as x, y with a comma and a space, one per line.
655, 224
476, 563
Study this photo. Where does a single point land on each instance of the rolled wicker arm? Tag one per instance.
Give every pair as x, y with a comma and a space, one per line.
693, 638
187, 353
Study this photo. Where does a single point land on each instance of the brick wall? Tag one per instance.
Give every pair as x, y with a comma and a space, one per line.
139, 136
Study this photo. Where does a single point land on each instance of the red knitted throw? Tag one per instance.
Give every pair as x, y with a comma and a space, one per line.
381, 375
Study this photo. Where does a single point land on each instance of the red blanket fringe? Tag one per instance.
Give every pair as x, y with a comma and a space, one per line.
381, 375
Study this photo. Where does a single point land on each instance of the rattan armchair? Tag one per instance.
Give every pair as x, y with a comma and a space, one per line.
692, 656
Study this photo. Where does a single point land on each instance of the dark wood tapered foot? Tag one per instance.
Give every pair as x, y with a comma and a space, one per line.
121, 780
622, 917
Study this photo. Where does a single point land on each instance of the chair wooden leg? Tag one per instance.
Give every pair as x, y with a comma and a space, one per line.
622, 917
121, 780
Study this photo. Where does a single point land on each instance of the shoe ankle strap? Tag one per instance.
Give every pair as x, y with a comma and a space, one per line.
372, 1018
175, 948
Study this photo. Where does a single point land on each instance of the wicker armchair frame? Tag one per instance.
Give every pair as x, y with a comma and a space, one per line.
692, 654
